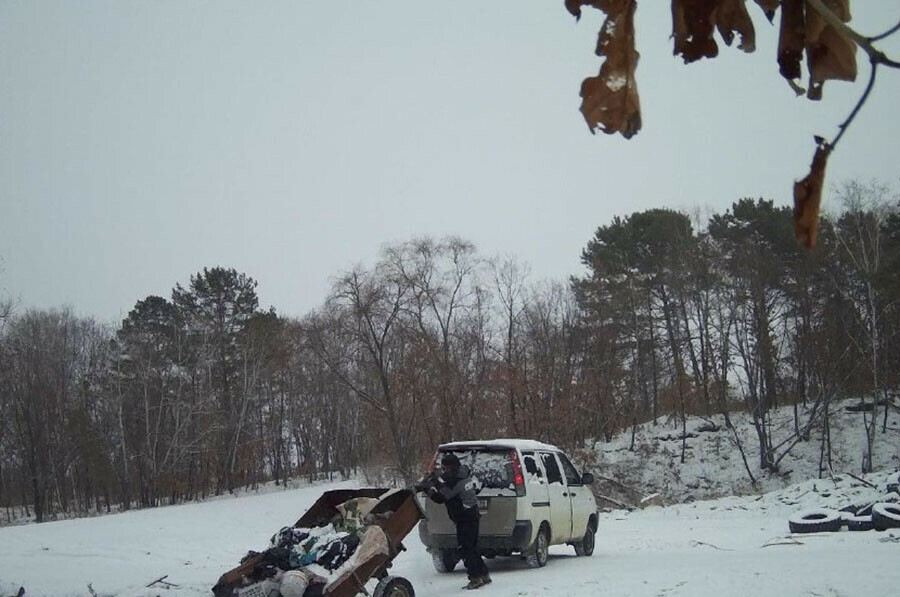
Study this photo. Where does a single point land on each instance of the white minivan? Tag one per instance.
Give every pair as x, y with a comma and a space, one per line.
532, 497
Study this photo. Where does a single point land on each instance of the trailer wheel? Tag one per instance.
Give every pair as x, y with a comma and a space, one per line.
585, 547
394, 586
885, 516
540, 552
815, 521
444, 560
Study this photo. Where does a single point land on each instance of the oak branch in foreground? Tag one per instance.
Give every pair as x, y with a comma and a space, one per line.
815, 29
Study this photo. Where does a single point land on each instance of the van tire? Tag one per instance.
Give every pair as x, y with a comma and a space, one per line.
585, 547
445, 560
540, 551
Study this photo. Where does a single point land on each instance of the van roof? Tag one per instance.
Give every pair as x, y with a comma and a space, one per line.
521, 444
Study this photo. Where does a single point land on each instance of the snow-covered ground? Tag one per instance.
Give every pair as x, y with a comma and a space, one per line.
724, 547
706, 548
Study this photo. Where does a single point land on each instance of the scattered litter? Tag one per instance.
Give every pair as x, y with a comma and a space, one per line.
782, 541
699, 543
163, 582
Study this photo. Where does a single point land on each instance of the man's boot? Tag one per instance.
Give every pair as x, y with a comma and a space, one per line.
476, 582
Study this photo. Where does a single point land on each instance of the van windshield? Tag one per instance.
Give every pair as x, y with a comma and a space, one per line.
493, 467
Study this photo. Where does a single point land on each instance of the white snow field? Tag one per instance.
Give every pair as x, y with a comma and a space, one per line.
703, 549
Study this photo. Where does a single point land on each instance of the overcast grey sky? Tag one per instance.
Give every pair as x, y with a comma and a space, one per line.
143, 140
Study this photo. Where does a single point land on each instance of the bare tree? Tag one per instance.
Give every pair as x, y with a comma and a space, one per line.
358, 336
509, 277
859, 231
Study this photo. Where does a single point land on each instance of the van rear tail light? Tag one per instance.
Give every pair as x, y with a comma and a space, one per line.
518, 477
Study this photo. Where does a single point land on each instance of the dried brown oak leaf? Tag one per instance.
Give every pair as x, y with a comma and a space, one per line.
808, 197
574, 6
694, 21
732, 17
769, 7
610, 100
791, 39
829, 53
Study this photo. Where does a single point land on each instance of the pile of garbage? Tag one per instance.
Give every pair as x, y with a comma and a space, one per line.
305, 562
881, 514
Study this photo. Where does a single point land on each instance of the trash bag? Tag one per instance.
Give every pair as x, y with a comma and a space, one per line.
337, 552
289, 537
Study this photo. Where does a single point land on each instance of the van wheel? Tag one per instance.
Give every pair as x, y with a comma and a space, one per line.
585, 547
444, 560
540, 552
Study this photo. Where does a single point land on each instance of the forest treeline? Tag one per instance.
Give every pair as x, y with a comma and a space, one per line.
202, 392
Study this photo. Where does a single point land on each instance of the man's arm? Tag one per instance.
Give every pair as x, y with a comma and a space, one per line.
427, 481
436, 495
449, 492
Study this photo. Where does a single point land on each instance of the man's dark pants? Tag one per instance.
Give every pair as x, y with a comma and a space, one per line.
467, 537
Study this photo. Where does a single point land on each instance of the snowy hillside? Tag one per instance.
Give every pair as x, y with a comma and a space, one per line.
713, 465
729, 547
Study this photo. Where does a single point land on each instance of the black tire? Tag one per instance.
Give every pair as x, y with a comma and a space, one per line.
540, 551
859, 523
394, 586
585, 547
886, 516
820, 520
445, 560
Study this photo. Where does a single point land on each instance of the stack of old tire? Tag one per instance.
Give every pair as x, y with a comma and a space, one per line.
880, 515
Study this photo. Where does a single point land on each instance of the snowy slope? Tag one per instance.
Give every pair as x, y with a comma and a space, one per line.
713, 466
703, 549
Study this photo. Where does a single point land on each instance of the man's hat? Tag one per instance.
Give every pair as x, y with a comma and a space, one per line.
449, 459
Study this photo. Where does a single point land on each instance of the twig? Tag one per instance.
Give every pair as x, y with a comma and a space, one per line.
697, 543
863, 481
91, 589
782, 541
844, 125
162, 580
621, 485
615, 502
887, 33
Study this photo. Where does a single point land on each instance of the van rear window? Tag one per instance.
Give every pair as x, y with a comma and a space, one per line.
494, 468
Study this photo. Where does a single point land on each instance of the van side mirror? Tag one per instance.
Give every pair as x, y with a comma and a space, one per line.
587, 478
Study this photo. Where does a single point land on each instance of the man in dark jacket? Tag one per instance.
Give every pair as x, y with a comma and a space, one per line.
457, 489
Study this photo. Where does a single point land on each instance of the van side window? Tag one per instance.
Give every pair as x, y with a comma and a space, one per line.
553, 474
531, 466
572, 475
